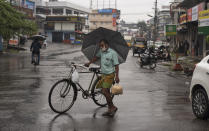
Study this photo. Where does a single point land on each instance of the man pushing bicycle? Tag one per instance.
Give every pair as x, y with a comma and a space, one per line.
110, 72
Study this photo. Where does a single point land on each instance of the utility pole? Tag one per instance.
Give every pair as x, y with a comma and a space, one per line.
115, 4
155, 22
91, 4
97, 5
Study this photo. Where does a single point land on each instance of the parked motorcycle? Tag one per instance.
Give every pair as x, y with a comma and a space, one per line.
148, 58
163, 54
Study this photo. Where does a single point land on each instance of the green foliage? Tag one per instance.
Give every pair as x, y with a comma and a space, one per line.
143, 25
13, 22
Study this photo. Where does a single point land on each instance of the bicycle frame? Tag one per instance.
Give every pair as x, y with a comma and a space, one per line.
90, 85
78, 84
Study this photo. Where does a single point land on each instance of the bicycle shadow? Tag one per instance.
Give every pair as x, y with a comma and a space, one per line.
66, 122
56, 120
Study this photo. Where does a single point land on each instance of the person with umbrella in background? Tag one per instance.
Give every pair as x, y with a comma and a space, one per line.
110, 72
35, 49
36, 46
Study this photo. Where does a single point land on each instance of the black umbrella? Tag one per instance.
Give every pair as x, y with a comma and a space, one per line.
90, 45
37, 37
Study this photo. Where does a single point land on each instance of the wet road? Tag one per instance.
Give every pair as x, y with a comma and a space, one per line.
153, 100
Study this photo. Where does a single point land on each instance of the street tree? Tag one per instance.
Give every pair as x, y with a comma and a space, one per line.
13, 22
142, 25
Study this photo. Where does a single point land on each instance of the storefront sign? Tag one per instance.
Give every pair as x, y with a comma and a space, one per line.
195, 13
201, 7
114, 15
204, 18
203, 27
189, 15
66, 18
196, 10
114, 22
183, 19
13, 42
30, 5
105, 11
170, 30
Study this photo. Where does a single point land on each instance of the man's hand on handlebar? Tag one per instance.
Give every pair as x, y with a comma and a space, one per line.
87, 64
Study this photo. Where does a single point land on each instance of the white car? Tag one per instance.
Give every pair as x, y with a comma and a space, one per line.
199, 89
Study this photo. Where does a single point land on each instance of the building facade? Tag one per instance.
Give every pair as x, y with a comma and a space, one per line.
65, 29
64, 21
107, 18
164, 18
188, 26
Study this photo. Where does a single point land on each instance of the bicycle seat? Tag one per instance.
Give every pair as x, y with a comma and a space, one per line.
94, 69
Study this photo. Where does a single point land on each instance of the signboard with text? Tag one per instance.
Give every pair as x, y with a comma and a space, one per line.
30, 4
183, 19
105, 11
203, 27
66, 19
196, 10
195, 13
189, 15
170, 30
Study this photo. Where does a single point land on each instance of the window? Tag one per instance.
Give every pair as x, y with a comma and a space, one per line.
58, 11
68, 11
76, 12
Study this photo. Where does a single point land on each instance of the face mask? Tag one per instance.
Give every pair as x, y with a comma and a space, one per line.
104, 49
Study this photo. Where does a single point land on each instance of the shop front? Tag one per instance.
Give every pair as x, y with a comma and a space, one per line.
203, 29
64, 29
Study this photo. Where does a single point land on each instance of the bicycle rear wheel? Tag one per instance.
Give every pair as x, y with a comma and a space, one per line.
97, 95
62, 96
35, 59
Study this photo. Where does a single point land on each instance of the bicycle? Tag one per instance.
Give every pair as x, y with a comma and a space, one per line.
35, 59
69, 90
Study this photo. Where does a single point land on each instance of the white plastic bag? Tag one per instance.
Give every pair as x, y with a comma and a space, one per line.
75, 77
117, 89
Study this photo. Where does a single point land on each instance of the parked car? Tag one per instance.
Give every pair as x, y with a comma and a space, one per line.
139, 45
199, 89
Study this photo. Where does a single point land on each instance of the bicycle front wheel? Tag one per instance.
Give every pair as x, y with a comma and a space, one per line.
62, 96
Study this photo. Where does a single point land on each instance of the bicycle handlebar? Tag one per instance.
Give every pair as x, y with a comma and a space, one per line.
79, 65
84, 67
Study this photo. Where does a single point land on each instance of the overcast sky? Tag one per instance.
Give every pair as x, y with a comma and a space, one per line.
131, 10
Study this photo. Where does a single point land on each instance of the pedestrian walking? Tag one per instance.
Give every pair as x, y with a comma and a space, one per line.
186, 47
110, 72
196, 47
35, 49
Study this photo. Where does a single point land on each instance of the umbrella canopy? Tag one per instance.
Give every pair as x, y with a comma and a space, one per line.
90, 45
38, 37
